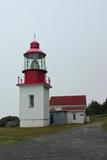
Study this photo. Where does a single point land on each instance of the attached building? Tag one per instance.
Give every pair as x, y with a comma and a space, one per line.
67, 109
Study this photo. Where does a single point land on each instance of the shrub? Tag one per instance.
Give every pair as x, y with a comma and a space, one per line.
9, 121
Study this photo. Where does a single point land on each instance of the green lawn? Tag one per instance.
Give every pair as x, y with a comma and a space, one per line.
11, 135
102, 119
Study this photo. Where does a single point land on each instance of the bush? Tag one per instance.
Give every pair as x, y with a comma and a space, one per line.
9, 121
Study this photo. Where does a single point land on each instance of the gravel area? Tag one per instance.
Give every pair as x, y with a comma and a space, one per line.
86, 143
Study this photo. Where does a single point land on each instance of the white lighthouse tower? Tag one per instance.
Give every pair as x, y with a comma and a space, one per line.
34, 89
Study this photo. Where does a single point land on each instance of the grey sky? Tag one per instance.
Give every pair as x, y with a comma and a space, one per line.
73, 33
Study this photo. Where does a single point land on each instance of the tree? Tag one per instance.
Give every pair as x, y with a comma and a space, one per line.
94, 108
104, 106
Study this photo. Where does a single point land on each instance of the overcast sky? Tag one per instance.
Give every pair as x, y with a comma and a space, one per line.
73, 34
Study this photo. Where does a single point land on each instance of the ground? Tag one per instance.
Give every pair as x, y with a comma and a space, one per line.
88, 142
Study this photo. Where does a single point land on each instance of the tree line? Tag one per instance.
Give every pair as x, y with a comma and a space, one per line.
96, 108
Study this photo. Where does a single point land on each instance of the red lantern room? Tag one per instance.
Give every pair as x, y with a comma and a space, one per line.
34, 65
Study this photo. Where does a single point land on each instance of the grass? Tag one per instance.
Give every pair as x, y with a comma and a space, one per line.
104, 126
12, 135
102, 119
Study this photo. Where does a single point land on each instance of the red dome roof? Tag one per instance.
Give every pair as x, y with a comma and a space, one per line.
34, 49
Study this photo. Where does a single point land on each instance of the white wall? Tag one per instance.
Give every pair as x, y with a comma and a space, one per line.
33, 123
46, 111
79, 117
69, 117
39, 114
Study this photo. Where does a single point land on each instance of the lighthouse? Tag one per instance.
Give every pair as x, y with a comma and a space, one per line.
34, 89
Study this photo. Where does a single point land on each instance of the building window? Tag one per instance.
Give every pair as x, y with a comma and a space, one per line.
74, 116
31, 101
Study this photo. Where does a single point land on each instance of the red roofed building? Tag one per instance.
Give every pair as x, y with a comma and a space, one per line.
67, 109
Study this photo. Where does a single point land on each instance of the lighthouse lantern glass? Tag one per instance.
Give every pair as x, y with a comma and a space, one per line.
34, 62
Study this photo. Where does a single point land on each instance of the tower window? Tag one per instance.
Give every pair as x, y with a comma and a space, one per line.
31, 101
